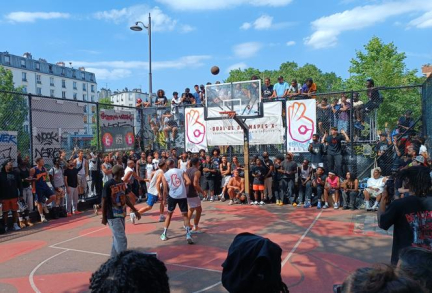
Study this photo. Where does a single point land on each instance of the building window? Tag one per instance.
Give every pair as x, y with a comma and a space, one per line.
23, 64
52, 93
75, 96
85, 109
39, 91
7, 60
74, 73
130, 105
85, 118
24, 76
92, 88
51, 81
37, 66
84, 87
92, 98
63, 94
91, 77
93, 119
63, 83
93, 109
50, 69
63, 71
38, 78
74, 85
82, 75
84, 97
24, 89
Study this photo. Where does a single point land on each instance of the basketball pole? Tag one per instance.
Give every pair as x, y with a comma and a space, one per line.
245, 128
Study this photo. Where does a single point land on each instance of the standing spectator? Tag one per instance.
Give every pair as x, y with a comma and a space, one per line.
334, 149
141, 173
71, 180
375, 188
225, 171
332, 187
324, 116
202, 93
176, 107
114, 201
358, 115
350, 191
82, 164
10, 189
409, 215
374, 96
384, 152
27, 194
277, 177
188, 98
57, 183
209, 172
197, 95
305, 184
93, 168
216, 160
268, 181
106, 169
309, 88
335, 107
316, 148
319, 183
288, 171
280, 89
258, 173
267, 89
405, 122
173, 156
343, 112
294, 90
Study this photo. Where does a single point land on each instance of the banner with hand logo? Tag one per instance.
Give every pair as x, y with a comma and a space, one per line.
195, 130
301, 124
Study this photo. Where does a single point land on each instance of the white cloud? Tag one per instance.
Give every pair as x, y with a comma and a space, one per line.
290, 43
263, 22
424, 21
246, 26
328, 28
220, 4
21, 16
235, 66
92, 52
160, 20
247, 50
113, 70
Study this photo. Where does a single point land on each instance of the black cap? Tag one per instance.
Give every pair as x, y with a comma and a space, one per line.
280, 77
202, 86
175, 93
187, 90
383, 134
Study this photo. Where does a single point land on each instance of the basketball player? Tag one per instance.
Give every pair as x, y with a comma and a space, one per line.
194, 189
154, 191
177, 180
236, 187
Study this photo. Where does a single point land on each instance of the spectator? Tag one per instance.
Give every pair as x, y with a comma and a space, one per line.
237, 166
173, 156
202, 94
319, 184
71, 182
197, 95
267, 89
188, 98
374, 96
380, 279
27, 194
155, 125
10, 189
384, 152
82, 164
343, 113
350, 191
176, 104
161, 101
358, 115
170, 126
209, 172
324, 116
288, 171
58, 184
409, 215
280, 89
119, 274
268, 181
405, 122
334, 149
316, 148
332, 187
416, 263
258, 173
94, 175
140, 103
253, 265
277, 176
294, 90
309, 88
183, 162
375, 188
305, 184
225, 171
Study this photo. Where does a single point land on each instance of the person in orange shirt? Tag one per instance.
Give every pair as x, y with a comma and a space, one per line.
309, 88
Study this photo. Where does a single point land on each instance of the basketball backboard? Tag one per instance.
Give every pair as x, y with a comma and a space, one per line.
242, 97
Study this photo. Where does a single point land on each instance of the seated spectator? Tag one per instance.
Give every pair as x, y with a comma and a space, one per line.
141, 103
350, 191
131, 272
332, 187
375, 188
236, 186
405, 122
170, 125
324, 116
384, 152
357, 107
416, 263
319, 183
280, 89
379, 279
309, 88
374, 96
177, 107
294, 90
253, 265
267, 89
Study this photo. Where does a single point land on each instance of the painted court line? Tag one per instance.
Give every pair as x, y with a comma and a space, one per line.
53, 246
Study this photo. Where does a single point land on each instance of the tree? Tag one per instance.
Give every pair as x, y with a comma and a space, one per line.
13, 110
386, 66
104, 104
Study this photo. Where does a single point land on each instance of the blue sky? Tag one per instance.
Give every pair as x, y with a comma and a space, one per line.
190, 36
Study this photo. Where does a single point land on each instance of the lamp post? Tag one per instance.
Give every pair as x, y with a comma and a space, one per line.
138, 28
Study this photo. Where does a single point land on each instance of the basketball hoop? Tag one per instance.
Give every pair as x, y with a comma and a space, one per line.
227, 114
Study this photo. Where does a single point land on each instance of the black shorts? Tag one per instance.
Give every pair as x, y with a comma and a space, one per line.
182, 203
208, 184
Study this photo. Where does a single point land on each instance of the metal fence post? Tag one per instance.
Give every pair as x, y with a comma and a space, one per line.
351, 123
141, 113
30, 127
98, 127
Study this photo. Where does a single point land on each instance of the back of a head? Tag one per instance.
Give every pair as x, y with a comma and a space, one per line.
131, 272
416, 262
253, 265
379, 279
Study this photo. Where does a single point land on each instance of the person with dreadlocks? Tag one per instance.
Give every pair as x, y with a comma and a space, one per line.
411, 215
131, 271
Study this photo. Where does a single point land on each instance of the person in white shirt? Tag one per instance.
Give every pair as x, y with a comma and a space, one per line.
177, 180
375, 188
129, 178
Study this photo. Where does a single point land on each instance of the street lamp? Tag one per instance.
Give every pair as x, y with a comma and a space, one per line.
137, 28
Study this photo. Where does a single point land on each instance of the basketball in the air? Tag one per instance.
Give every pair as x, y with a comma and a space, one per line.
215, 70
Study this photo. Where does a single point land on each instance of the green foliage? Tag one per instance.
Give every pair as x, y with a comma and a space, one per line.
13, 110
105, 103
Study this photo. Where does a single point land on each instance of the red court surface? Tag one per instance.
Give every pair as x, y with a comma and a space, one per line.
320, 248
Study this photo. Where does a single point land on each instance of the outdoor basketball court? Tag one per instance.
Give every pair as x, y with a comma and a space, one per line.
320, 248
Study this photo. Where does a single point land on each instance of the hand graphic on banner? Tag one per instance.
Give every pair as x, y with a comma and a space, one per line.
195, 130
300, 127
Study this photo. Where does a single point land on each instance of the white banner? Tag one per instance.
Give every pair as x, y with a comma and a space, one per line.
195, 130
116, 118
301, 124
266, 130
8, 147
